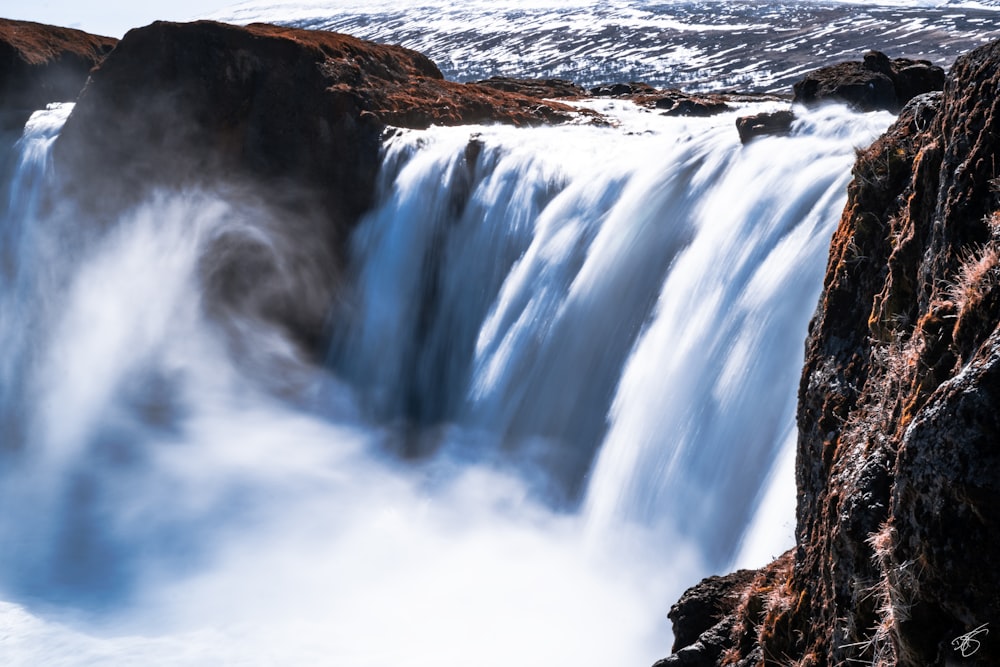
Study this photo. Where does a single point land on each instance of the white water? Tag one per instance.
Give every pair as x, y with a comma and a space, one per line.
560, 376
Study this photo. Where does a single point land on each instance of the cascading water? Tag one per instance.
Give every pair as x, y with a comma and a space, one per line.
707, 400
23, 263
649, 292
562, 368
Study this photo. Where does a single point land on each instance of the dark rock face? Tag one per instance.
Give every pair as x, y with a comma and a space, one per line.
900, 491
291, 119
898, 467
705, 604
875, 83
763, 124
40, 64
703, 619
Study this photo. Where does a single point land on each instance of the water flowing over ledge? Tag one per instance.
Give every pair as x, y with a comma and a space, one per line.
189, 486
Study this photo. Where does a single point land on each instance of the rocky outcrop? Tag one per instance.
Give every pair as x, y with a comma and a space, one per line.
704, 618
40, 64
540, 88
898, 466
767, 123
673, 102
184, 101
877, 82
291, 119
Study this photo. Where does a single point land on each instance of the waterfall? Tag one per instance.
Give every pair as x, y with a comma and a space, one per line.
636, 336
556, 352
707, 400
26, 265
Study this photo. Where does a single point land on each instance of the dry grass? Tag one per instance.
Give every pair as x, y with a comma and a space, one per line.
764, 618
894, 594
992, 220
977, 275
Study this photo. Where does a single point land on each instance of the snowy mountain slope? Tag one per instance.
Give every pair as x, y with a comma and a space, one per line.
712, 45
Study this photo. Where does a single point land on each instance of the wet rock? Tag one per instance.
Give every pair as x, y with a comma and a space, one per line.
273, 99
767, 123
674, 102
877, 82
179, 102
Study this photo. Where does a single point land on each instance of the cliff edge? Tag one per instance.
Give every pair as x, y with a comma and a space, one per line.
898, 467
40, 64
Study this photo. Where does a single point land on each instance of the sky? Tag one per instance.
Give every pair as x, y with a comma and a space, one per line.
108, 17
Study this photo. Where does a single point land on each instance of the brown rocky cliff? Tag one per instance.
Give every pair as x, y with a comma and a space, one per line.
40, 64
185, 102
287, 120
898, 467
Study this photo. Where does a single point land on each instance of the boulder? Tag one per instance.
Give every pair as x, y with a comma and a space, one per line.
916, 77
875, 83
40, 64
767, 123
